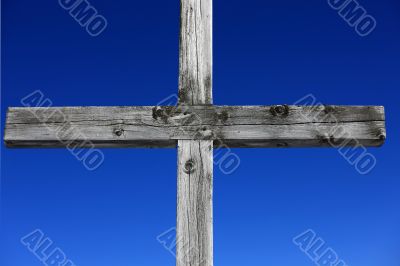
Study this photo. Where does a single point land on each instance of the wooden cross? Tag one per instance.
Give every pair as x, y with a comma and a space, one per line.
196, 126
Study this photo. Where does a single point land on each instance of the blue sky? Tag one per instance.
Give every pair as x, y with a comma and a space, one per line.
265, 53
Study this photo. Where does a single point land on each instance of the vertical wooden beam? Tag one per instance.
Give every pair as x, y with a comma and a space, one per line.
195, 204
195, 157
195, 53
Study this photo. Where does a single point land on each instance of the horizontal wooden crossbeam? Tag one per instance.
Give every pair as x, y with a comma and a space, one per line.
233, 126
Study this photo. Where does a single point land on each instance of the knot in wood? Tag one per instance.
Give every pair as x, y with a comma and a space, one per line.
157, 112
223, 116
329, 109
189, 167
204, 133
163, 112
327, 139
119, 132
279, 110
382, 135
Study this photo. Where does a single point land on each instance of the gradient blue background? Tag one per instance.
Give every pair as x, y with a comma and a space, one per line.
265, 52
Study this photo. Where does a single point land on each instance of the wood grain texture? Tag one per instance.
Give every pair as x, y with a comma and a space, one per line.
194, 213
195, 53
195, 208
233, 126
196, 126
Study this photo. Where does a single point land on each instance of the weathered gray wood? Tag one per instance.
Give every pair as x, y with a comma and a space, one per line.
234, 126
194, 213
195, 210
195, 53
196, 126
